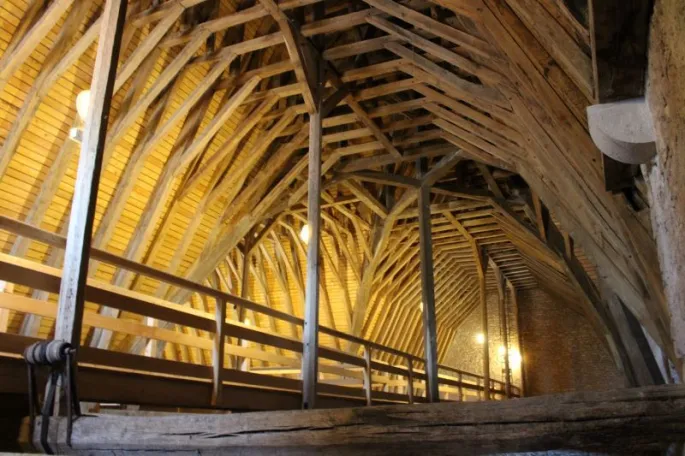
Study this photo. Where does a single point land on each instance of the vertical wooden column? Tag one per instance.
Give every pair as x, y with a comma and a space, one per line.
517, 319
218, 352
240, 362
428, 292
245, 278
71, 296
504, 328
482, 269
310, 362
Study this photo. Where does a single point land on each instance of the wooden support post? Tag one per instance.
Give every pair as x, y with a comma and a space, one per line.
410, 380
461, 389
428, 292
504, 327
367, 375
218, 352
517, 319
484, 321
71, 297
310, 367
244, 293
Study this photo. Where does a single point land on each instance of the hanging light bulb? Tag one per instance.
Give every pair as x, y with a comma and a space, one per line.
480, 338
304, 233
83, 104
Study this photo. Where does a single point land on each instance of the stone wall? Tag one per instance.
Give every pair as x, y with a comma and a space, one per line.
666, 174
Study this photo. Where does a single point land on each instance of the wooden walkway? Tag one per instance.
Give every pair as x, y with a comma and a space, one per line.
353, 377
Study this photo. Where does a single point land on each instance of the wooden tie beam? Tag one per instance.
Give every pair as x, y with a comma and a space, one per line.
632, 420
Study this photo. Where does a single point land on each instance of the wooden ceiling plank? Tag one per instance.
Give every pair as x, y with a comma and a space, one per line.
294, 44
229, 146
575, 62
371, 125
136, 162
367, 198
501, 122
253, 156
473, 93
61, 57
431, 25
231, 20
163, 187
22, 48
471, 149
169, 74
147, 46
463, 63
476, 130
357, 48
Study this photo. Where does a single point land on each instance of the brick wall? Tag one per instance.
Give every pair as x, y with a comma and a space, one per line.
466, 353
560, 349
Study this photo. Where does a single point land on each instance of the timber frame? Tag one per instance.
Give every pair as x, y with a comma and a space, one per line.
437, 151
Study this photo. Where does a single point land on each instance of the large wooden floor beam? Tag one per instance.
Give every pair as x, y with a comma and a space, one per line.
617, 422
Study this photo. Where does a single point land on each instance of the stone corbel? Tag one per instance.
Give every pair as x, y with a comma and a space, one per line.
623, 130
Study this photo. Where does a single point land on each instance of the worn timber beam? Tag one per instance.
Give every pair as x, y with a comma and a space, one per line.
71, 297
618, 421
428, 289
310, 333
618, 32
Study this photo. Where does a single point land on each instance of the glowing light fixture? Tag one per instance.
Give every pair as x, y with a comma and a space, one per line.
515, 358
304, 233
83, 104
480, 338
76, 134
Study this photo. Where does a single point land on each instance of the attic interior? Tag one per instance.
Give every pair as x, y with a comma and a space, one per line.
435, 225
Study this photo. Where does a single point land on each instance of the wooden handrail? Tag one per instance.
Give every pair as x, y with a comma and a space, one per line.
55, 240
36, 275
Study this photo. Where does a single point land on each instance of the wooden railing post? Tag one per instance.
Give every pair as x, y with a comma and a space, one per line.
367, 375
461, 387
410, 380
218, 352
